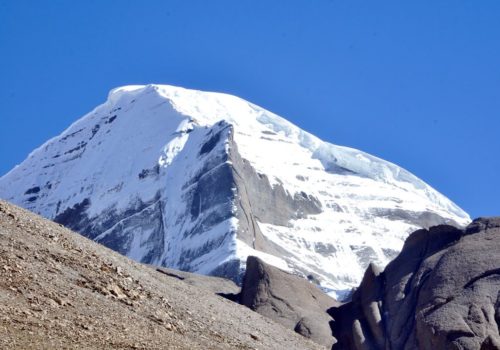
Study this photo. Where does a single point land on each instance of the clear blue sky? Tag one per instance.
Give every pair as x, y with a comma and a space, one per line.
414, 82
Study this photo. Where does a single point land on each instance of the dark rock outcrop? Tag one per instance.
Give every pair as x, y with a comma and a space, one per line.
287, 299
441, 292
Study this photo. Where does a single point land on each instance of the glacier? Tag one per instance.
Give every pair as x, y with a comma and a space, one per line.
199, 180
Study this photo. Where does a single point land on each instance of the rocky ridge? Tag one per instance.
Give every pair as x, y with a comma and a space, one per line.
441, 292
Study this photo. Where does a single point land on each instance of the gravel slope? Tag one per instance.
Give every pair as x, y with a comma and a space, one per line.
61, 290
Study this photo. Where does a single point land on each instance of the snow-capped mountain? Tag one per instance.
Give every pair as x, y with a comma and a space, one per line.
198, 181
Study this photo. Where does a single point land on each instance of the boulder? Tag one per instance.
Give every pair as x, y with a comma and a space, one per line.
289, 300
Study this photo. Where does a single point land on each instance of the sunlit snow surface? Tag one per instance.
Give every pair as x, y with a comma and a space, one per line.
159, 128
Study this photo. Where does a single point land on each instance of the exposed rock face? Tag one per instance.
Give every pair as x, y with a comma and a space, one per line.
287, 299
441, 292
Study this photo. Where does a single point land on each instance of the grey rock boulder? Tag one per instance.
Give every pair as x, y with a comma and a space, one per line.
289, 300
441, 292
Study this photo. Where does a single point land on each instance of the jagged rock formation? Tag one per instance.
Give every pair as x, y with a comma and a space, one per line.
441, 292
289, 300
59, 290
198, 181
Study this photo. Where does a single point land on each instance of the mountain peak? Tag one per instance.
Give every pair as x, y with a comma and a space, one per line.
200, 180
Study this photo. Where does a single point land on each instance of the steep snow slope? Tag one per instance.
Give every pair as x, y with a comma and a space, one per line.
198, 181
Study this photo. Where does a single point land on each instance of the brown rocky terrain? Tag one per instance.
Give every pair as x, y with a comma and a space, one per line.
59, 290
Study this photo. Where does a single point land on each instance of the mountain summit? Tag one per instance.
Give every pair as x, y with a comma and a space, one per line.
198, 181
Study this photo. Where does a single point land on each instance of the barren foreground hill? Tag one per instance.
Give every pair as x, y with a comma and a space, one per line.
61, 290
